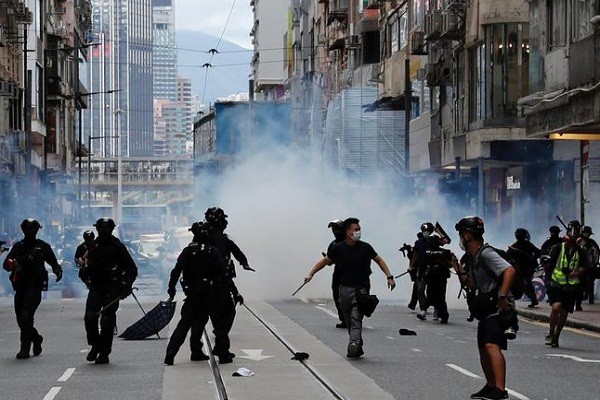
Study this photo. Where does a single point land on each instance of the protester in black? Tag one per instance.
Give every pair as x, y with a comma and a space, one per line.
436, 278
109, 274
81, 251
592, 250
526, 255
25, 262
418, 263
353, 258
203, 272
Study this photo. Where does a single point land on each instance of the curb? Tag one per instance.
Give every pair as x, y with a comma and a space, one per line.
578, 324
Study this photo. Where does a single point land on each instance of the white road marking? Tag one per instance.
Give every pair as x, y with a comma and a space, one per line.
254, 354
83, 351
66, 375
450, 337
472, 375
574, 358
303, 299
368, 327
327, 311
464, 371
390, 337
416, 350
461, 341
52, 393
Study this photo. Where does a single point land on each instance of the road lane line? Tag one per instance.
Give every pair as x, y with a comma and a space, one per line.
52, 393
472, 375
463, 371
566, 328
574, 358
66, 375
416, 350
327, 311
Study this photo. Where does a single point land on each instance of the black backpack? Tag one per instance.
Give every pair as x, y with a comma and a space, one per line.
518, 287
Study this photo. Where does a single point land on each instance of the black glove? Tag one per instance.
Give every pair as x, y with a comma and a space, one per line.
125, 293
171, 292
247, 268
238, 299
59, 274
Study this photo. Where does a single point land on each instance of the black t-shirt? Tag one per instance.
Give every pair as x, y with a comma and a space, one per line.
353, 262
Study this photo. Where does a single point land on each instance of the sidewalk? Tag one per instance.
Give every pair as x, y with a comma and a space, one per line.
588, 319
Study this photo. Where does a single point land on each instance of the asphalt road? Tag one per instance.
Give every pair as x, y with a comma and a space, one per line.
442, 362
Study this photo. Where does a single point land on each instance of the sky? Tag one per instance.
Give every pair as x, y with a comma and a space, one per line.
210, 16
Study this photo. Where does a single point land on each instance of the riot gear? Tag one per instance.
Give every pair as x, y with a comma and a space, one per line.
337, 227
522, 234
574, 229
427, 227
30, 227
104, 226
471, 224
216, 217
586, 230
554, 230
88, 235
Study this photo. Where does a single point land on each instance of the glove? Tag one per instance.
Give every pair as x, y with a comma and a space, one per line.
59, 274
238, 299
171, 292
126, 293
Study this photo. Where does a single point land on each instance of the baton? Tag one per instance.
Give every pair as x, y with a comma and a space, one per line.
301, 286
561, 222
115, 300
402, 274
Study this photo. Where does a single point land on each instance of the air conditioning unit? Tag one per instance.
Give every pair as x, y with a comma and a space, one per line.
376, 73
353, 41
417, 43
450, 24
433, 24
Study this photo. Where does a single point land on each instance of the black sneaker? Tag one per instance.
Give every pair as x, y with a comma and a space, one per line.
198, 356
102, 359
37, 346
341, 325
496, 394
92, 355
22, 355
412, 306
422, 317
225, 359
169, 359
354, 350
484, 390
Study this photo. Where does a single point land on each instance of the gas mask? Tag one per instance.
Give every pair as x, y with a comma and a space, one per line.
426, 234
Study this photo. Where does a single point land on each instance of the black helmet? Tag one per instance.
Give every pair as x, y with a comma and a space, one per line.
587, 230
574, 228
337, 227
201, 230
471, 224
104, 226
554, 229
522, 234
427, 227
30, 224
216, 217
88, 235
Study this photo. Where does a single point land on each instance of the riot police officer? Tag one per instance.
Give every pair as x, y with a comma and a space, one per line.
418, 263
203, 272
436, 276
81, 251
25, 262
229, 296
526, 255
109, 274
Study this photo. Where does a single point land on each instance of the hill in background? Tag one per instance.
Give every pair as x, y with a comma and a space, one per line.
230, 71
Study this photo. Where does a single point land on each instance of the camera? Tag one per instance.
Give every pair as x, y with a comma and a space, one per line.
439, 255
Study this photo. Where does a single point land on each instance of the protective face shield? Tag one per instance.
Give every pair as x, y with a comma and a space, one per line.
574, 229
462, 244
522, 235
201, 231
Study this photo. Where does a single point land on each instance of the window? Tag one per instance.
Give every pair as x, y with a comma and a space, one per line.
403, 28
420, 102
581, 12
418, 13
557, 23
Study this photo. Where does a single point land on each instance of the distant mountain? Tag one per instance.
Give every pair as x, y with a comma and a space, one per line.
231, 67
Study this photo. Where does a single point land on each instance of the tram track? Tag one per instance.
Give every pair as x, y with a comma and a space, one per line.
221, 390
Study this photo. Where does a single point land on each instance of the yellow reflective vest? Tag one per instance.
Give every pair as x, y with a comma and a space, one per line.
563, 264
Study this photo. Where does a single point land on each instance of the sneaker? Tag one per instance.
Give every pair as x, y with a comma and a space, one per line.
548, 341
422, 316
578, 308
435, 315
510, 333
92, 355
170, 359
484, 390
102, 359
554, 343
225, 359
354, 350
496, 394
341, 325
198, 356
412, 306
22, 355
37, 346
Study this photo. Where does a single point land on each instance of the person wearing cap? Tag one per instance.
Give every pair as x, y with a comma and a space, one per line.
204, 273
109, 275
353, 257
567, 263
592, 250
25, 262
337, 228
552, 240
483, 270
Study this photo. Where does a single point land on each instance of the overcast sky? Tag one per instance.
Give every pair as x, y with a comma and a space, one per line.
210, 16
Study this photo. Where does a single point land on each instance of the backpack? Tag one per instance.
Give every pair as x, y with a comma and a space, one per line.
518, 286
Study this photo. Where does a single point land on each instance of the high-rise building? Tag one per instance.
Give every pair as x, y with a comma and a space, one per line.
165, 50
121, 75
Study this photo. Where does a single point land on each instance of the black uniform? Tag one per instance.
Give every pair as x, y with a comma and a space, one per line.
204, 276
335, 286
29, 278
225, 315
420, 251
109, 274
549, 243
526, 255
436, 279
